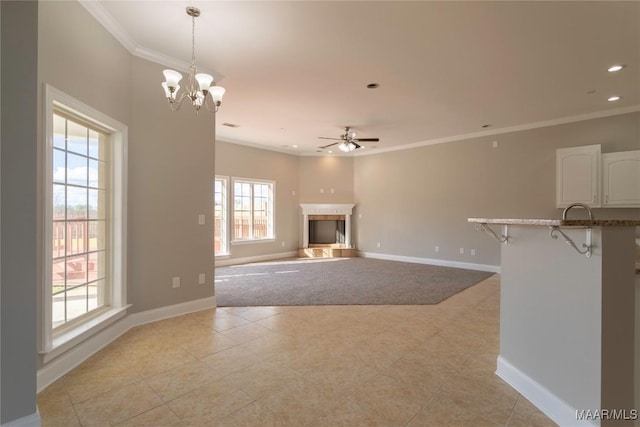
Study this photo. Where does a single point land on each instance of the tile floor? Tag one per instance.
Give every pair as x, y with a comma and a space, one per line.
301, 366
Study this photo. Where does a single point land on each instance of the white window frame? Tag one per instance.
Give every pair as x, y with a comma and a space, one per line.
225, 252
272, 213
52, 344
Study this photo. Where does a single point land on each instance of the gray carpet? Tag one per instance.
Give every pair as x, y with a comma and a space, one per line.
339, 281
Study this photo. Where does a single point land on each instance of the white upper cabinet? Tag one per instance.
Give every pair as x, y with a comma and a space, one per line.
578, 176
621, 179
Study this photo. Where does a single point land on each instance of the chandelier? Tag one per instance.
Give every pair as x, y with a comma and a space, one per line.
198, 90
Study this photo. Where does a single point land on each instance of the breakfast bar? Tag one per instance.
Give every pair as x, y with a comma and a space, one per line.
567, 316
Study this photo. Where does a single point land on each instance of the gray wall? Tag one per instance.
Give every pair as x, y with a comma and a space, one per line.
234, 160
320, 174
413, 200
170, 154
171, 173
18, 166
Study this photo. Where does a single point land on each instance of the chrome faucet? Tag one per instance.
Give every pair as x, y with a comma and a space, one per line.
573, 205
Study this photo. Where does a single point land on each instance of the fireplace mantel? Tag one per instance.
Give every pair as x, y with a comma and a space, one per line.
345, 209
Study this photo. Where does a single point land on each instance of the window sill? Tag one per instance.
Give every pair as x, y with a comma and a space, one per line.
223, 256
66, 340
251, 241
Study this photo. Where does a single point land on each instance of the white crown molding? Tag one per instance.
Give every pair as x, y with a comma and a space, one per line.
509, 129
102, 16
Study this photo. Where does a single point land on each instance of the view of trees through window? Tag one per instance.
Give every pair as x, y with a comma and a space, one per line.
79, 220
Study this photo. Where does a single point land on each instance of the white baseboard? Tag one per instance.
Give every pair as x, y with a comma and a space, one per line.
172, 311
31, 420
432, 261
555, 408
81, 352
258, 258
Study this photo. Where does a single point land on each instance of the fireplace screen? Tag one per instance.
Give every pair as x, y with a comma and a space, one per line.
326, 231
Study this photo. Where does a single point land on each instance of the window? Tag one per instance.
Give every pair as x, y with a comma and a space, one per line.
253, 210
220, 232
84, 221
80, 183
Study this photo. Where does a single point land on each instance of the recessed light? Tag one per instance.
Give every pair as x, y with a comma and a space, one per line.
614, 98
295, 146
615, 68
330, 152
373, 85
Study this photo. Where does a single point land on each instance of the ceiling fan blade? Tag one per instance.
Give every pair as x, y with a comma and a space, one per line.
327, 146
356, 144
367, 139
334, 139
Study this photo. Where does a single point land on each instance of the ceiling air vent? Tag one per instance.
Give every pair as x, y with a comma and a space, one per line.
230, 125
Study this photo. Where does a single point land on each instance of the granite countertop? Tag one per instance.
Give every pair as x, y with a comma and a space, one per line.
565, 223
560, 222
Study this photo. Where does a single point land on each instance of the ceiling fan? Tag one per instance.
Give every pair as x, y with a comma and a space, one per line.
348, 141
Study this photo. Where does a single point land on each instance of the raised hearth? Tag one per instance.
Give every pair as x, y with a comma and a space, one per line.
326, 230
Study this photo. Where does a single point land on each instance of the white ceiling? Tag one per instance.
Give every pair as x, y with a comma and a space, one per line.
296, 70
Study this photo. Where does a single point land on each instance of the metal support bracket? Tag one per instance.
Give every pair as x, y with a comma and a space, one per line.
504, 238
587, 245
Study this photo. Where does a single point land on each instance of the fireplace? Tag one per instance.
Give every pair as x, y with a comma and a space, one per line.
326, 225
326, 229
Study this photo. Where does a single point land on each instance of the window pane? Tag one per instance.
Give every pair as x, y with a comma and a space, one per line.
76, 302
76, 203
76, 270
97, 294
94, 144
76, 237
59, 202
59, 166
94, 173
77, 138
58, 239
96, 266
58, 275
97, 238
77, 170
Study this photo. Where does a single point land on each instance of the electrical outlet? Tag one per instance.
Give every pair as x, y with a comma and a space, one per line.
436, 249
473, 252
378, 244
283, 245
202, 279
201, 219
461, 251
176, 282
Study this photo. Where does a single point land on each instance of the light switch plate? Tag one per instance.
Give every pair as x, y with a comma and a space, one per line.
201, 219
202, 278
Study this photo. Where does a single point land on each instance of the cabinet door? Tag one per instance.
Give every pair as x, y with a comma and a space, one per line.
578, 176
621, 179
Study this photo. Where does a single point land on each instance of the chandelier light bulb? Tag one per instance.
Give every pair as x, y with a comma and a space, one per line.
204, 81
217, 92
172, 78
